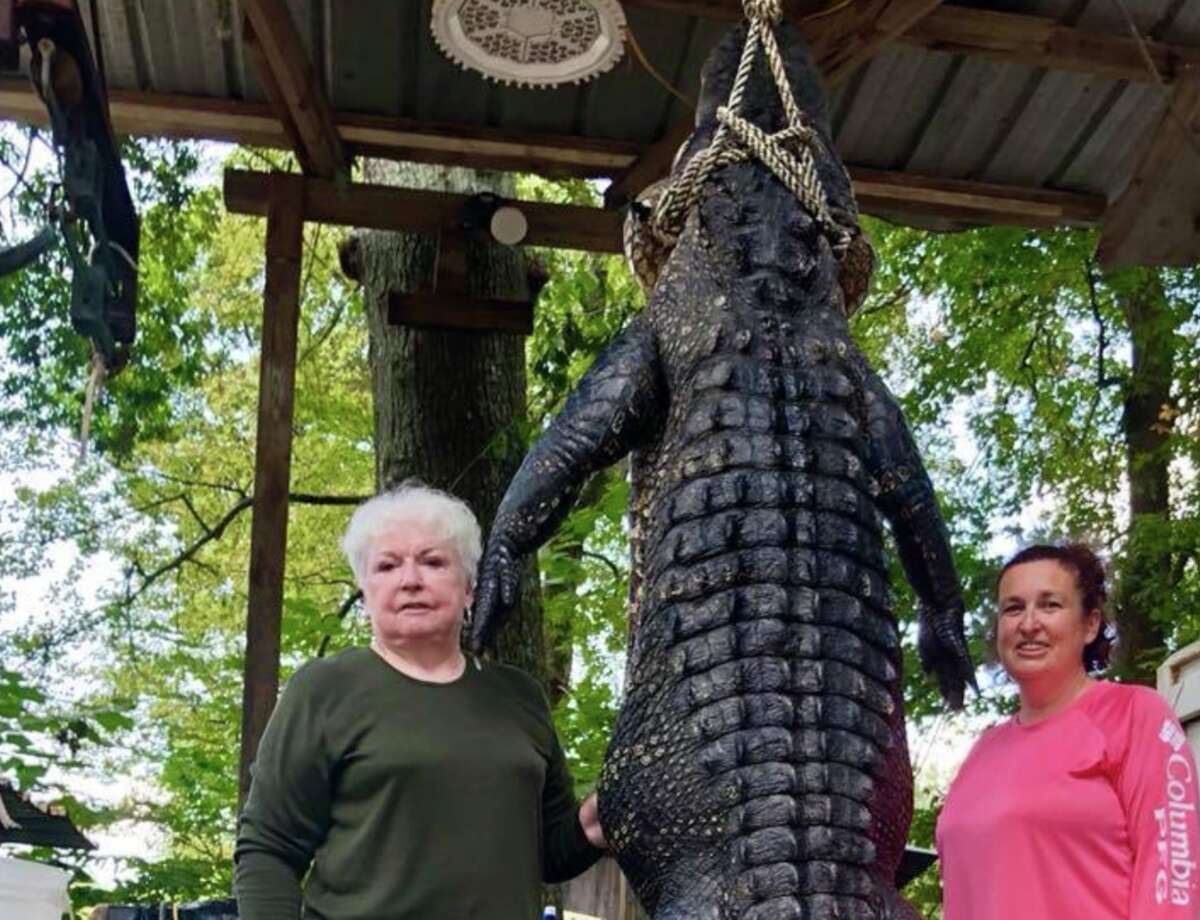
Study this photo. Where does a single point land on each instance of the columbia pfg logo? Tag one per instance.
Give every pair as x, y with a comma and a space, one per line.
1172, 734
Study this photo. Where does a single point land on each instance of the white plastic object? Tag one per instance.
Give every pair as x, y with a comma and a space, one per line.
508, 225
533, 43
32, 891
1179, 682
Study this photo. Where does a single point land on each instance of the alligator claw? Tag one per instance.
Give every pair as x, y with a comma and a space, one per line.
495, 593
943, 650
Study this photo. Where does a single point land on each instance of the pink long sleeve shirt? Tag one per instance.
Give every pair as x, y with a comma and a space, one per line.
1090, 813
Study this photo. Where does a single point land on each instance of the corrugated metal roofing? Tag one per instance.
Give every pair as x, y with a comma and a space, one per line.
913, 109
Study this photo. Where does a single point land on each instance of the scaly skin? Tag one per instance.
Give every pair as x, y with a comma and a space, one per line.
758, 769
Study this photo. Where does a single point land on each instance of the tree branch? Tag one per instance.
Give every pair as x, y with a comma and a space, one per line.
183, 481
19, 175
347, 606
616, 572
187, 501
1103, 381
213, 533
899, 295
1030, 375
306, 498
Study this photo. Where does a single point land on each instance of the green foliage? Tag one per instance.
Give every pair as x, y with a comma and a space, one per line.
925, 891
1020, 342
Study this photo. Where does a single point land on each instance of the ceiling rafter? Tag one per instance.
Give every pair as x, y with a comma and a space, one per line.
887, 193
291, 83
1041, 42
1140, 219
842, 46
1017, 38
204, 117
1007, 37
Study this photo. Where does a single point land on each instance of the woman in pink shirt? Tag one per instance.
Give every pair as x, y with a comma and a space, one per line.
1083, 805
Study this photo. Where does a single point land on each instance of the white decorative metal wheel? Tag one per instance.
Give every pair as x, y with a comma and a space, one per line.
535, 43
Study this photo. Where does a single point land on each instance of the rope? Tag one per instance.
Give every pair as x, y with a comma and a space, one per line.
653, 71
786, 153
94, 383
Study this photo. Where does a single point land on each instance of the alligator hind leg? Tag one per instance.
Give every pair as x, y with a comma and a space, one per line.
686, 909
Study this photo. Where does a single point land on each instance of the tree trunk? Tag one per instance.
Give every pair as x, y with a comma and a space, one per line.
449, 406
1143, 589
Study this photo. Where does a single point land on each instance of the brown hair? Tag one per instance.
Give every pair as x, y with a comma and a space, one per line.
1093, 592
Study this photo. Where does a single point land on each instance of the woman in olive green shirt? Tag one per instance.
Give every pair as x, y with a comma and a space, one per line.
403, 779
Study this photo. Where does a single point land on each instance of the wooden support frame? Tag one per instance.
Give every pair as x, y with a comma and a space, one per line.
292, 85
448, 305
202, 117
272, 463
1140, 208
887, 193
381, 207
449, 310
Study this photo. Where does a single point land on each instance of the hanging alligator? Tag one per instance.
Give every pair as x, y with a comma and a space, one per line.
758, 769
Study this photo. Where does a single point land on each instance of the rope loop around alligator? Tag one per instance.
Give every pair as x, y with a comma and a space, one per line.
787, 153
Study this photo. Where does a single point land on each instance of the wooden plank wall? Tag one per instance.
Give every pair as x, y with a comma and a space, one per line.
602, 892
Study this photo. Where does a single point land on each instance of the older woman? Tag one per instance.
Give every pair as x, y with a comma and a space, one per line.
1084, 803
406, 781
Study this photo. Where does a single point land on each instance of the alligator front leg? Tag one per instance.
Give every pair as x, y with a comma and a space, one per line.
618, 406
907, 500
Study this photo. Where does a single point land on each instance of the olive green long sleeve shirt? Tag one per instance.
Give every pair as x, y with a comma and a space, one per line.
402, 799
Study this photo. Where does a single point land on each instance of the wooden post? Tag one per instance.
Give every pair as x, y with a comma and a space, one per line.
602, 892
272, 463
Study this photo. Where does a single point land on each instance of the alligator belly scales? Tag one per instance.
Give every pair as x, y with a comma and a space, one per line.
758, 769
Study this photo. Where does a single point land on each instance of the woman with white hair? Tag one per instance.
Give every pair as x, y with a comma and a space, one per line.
405, 780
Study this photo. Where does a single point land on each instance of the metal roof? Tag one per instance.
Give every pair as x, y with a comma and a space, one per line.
912, 108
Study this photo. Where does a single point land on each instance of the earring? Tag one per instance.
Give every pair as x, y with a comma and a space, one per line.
468, 617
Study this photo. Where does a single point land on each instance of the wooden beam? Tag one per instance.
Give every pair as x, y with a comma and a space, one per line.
208, 118
278, 103
434, 310
1041, 42
1016, 38
890, 194
894, 194
272, 462
292, 83
842, 47
381, 207
1147, 224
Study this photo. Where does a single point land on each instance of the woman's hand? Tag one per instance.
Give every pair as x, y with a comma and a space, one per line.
589, 820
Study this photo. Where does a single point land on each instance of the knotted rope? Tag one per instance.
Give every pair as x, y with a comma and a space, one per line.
787, 153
